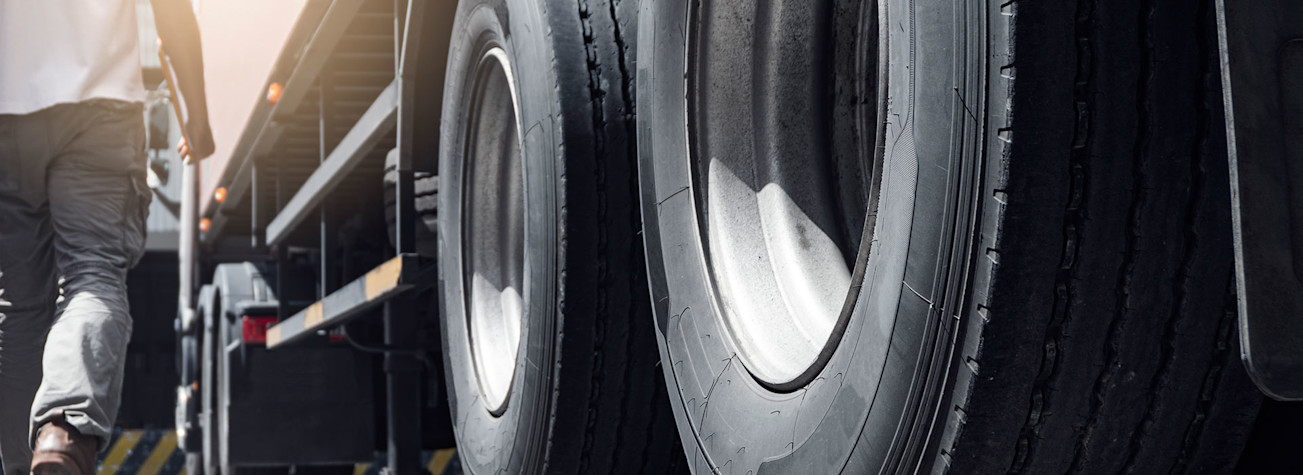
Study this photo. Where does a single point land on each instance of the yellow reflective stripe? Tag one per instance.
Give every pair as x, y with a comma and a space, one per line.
439, 461
361, 468
274, 335
383, 279
162, 452
313, 315
119, 452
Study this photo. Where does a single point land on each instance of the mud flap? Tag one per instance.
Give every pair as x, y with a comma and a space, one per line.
1261, 46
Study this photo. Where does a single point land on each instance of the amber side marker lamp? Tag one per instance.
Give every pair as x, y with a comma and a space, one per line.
274, 92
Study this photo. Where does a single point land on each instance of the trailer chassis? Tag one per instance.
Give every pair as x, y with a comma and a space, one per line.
393, 285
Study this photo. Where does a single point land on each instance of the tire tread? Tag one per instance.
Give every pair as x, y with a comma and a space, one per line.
625, 413
1136, 355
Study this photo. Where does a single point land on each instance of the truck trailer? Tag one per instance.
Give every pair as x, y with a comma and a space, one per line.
737, 236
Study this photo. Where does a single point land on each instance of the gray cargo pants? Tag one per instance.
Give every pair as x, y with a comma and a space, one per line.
73, 203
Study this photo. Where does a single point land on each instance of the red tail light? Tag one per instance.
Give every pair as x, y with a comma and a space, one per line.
255, 328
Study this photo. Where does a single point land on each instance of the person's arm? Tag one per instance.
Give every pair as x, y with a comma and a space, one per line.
179, 32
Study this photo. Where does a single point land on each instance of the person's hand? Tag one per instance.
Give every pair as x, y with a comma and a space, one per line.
179, 30
203, 145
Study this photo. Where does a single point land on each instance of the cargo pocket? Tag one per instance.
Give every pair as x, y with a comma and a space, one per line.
135, 214
136, 211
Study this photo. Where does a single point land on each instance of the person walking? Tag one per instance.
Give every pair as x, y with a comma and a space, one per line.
73, 204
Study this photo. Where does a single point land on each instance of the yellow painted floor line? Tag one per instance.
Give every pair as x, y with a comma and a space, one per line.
162, 452
439, 461
119, 452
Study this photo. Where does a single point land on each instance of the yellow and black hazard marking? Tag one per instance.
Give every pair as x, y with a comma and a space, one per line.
439, 462
146, 452
154, 452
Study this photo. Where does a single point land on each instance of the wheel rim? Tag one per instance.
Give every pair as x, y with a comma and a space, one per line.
493, 240
782, 199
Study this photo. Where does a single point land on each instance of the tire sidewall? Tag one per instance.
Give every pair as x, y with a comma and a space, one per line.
512, 441
208, 385
857, 414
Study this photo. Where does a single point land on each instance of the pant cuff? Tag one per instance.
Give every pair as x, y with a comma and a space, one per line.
78, 420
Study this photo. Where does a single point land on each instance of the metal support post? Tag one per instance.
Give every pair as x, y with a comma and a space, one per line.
402, 368
407, 33
278, 252
329, 277
403, 387
188, 248
256, 215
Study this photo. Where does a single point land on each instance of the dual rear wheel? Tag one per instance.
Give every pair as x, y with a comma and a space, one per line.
827, 236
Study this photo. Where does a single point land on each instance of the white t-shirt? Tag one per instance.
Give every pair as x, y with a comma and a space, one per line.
61, 51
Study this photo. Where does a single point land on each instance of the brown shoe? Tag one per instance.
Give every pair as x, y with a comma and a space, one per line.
62, 450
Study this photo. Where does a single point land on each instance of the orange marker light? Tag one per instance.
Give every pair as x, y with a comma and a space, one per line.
220, 194
204, 224
274, 93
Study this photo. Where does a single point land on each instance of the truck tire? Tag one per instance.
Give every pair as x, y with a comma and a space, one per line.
232, 283
895, 236
549, 355
192, 414
194, 462
209, 406
426, 194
